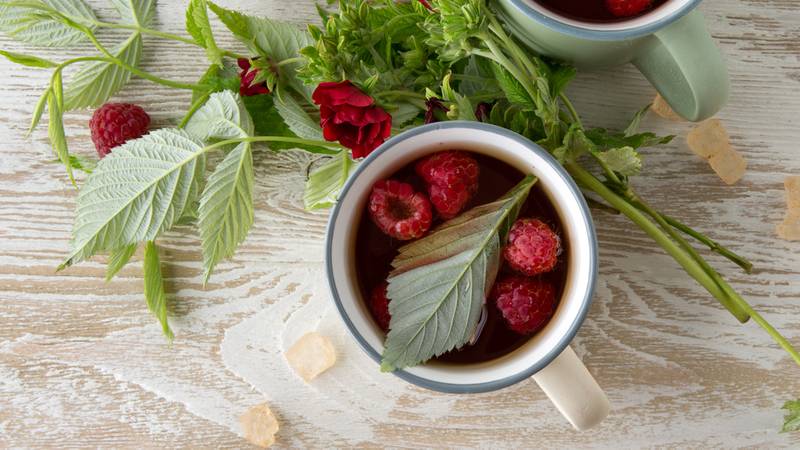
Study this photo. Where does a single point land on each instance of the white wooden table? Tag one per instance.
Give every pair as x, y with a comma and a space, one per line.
83, 364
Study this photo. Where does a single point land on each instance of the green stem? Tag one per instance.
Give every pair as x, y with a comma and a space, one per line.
290, 140
685, 260
197, 104
776, 336
144, 30
290, 61
571, 108
711, 244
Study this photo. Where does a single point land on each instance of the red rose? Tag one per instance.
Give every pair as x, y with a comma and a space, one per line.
248, 74
351, 117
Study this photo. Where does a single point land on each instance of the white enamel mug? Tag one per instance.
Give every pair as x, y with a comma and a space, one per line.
547, 356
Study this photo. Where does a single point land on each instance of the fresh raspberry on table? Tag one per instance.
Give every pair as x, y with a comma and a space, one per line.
113, 124
525, 303
379, 306
452, 179
627, 8
399, 211
533, 247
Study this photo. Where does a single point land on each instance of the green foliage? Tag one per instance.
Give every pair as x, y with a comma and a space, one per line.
154, 291
440, 282
28, 60
325, 184
792, 417
33, 22
624, 160
198, 26
118, 258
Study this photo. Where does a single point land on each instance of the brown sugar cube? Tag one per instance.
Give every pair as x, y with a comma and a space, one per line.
792, 185
662, 108
729, 166
311, 355
709, 138
259, 425
790, 228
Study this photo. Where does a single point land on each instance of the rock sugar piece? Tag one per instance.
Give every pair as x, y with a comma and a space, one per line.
709, 138
790, 228
311, 355
730, 166
260, 425
662, 108
792, 185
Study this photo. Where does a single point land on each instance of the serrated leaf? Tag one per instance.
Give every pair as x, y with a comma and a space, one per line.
136, 12
297, 119
633, 127
325, 184
605, 139
118, 258
268, 122
226, 207
199, 28
515, 92
36, 26
440, 282
625, 160
138, 191
55, 126
405, 113
218, 78
478, 78
28, 60
154, 291
97, 81
223, 116
38, 110
560, 77
272, 40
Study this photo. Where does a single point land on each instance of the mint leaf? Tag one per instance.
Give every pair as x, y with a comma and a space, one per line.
138, 191
226, 204
199, 28
792, 417
32, 22
154, 291
515, 92
624, 160
28, 60
298, 121
118, 259
325, 184
97, 81
440, 282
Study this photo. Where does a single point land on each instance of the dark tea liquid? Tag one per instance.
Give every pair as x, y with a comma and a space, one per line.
594, 11
375, 252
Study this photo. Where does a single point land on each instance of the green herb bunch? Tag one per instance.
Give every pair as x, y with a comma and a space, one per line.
420, 61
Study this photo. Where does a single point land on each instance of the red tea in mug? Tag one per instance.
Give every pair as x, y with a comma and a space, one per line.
601, 11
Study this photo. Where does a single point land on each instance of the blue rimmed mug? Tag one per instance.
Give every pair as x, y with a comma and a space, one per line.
547, 356
670, 45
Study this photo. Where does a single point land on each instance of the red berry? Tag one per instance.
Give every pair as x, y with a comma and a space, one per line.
533, 247
114, 124
627, 8
525, 303
379, 306
399, 211
452, 179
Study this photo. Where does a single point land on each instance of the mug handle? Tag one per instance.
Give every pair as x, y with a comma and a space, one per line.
573, 390
686, 68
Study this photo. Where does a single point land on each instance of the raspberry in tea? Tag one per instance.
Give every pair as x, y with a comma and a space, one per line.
601, 11
533, 261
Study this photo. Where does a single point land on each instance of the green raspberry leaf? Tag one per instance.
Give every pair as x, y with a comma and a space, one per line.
136, 12
455, 265
325, 183
154, 291
792, 417
35, 22
268, 122
28, 60
199, 28
118, 258
297, 119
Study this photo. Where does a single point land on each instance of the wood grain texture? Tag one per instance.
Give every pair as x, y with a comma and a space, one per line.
83, 364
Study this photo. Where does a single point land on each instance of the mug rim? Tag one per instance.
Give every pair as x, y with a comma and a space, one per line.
592, 253
600, 34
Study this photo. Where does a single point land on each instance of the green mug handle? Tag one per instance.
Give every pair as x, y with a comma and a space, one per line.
686, 68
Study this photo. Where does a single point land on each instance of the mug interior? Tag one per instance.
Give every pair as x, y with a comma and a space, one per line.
517, 152
626, 29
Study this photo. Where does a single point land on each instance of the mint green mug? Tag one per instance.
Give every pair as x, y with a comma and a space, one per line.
669, 45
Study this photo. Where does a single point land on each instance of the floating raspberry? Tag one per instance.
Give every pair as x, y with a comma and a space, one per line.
379, 306
525, 303
627, 8
452, 179
113, 124
533, 247
399, 211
